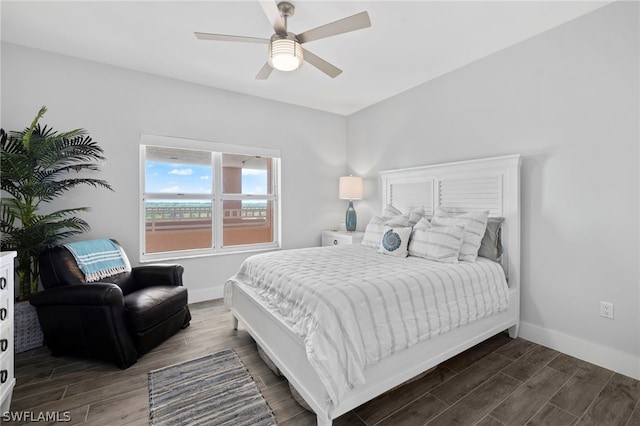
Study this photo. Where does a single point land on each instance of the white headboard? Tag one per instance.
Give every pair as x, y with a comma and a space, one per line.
486, 184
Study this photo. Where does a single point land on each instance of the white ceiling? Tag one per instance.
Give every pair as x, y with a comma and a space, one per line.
409, 42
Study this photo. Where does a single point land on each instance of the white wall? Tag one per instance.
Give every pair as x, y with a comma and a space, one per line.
115, 105
568, 101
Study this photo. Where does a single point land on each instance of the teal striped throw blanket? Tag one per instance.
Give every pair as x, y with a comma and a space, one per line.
98, 259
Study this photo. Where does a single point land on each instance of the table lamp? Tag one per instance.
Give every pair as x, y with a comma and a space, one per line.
350, 188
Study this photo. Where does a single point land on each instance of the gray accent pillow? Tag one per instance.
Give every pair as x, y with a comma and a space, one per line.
491, 245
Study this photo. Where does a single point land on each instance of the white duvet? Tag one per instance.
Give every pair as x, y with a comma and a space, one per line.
353, 306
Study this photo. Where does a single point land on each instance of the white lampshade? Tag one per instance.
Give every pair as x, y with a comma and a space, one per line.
285, 54
350, 188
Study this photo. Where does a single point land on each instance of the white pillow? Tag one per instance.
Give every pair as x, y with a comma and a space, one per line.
423, 224
475, 224
373, 232
395, 241
390, 211
408, 219
415, 215
440, 243
401, 221
390, 216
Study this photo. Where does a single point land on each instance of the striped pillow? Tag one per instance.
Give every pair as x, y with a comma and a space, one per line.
475, 224
373, 232
439, 243
408, 219
415, 216
399, 221
423, 224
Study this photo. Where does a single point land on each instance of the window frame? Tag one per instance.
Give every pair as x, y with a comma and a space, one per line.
217, 197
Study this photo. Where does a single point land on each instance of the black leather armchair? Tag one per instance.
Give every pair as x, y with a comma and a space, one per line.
117, 319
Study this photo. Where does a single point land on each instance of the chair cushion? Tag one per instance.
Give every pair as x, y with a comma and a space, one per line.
149, 306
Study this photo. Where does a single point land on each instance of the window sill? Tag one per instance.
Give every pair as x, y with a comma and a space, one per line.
162, 257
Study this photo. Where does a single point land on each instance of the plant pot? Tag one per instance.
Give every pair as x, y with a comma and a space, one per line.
27, 333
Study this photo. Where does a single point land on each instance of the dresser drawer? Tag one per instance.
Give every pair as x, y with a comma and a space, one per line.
6, 311
6, 338
338, 238
7, 379
6, 344
334, 240
6, 283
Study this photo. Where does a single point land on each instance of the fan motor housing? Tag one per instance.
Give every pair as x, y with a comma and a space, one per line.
285, 53
286, 9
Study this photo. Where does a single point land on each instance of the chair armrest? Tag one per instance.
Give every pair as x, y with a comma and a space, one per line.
94, 294
159, 274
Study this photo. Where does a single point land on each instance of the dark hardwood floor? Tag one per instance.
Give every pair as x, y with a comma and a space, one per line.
498, 382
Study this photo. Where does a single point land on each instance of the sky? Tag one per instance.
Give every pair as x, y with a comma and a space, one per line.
174, 178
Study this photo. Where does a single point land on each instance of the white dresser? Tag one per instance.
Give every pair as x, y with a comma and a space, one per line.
336, 238
7, 379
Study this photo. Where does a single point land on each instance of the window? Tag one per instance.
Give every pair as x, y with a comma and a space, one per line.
201, 198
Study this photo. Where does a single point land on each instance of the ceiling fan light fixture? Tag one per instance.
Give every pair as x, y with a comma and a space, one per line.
285, 54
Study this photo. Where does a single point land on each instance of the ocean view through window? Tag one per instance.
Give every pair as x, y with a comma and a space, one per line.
198, 202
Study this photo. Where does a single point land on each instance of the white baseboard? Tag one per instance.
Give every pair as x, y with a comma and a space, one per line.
205, 294
612, 359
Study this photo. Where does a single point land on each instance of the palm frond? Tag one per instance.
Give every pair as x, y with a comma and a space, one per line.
51, 173
26, 138
44, 231
67, 149
10, 144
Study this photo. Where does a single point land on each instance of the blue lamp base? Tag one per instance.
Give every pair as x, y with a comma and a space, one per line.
350, 218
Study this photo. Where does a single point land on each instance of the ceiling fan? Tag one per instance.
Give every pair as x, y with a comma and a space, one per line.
285, 51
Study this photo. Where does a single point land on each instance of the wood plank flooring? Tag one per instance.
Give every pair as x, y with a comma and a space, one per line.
498, 382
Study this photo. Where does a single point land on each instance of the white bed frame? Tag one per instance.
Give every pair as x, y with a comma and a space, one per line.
487, 184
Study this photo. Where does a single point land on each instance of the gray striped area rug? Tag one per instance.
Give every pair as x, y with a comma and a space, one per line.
213, 390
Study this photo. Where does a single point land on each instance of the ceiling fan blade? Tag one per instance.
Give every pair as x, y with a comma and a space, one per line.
324, 66
273, 15
352, 23
226, 37
265, 72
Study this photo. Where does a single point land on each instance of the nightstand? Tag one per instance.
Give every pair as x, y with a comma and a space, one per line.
337, 238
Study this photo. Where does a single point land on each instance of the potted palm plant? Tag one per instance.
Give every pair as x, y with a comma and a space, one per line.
36, 166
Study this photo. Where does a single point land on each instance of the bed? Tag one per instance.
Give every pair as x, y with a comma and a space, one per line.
301, 331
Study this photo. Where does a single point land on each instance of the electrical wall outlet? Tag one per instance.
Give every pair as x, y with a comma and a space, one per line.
606, 310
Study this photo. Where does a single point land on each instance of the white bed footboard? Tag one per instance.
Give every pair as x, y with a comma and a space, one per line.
289, 354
